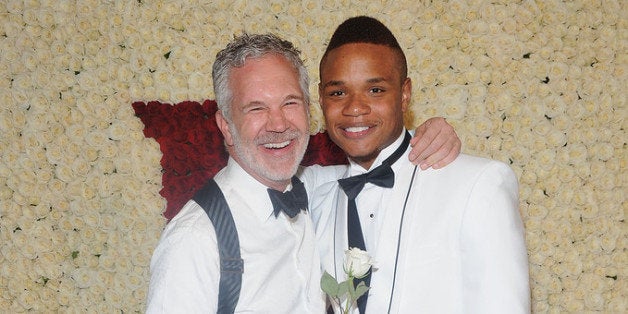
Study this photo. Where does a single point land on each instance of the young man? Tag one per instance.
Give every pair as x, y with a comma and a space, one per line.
443, 241
261, 88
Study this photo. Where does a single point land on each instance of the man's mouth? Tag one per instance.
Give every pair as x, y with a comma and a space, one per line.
356, 129
277, 145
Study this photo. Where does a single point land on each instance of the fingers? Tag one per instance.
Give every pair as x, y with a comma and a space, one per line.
438, 150
419, 132
435, 144
424, 136
437, 161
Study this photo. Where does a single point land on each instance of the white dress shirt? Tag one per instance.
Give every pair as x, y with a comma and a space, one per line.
281, 262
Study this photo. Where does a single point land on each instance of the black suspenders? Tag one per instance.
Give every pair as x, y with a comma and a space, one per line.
211, 199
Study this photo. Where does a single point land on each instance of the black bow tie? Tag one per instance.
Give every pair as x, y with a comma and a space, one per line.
382, 175
290, 202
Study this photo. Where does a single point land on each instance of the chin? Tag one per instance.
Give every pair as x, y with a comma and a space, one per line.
281, 170
279, 177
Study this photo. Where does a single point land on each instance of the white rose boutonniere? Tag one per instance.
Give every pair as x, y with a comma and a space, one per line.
357, 265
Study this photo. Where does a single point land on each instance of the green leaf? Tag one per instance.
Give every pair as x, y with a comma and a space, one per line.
343, 288
360, 289
329, 285
75, 254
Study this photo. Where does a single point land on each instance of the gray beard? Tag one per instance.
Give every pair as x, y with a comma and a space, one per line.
248, 158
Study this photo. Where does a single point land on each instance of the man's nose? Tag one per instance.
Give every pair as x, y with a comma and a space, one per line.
356, 106
277, 121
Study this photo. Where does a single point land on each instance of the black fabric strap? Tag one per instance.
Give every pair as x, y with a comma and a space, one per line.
211, 199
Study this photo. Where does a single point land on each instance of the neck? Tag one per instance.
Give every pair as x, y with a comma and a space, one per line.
279, 185
367, 161
265, 178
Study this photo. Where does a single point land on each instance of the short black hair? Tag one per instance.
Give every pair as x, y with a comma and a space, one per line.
365, 29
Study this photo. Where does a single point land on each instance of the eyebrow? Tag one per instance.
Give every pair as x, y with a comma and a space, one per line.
371, 81
333, 83
292, 97
262, 103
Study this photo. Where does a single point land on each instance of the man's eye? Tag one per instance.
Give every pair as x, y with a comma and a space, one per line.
336, 93
377, 90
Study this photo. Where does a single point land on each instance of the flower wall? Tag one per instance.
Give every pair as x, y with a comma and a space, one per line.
539, 85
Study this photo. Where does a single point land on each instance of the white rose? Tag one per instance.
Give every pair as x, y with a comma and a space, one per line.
553, 185
132, 281
113, 297
539, 293
47, 297
542, 127
107, 262
546, 158
357, 262
616, 305
477, 91
557, 138
83, 277
594, 301
49, 265
28, 300
578, 153
481, 126
604, 151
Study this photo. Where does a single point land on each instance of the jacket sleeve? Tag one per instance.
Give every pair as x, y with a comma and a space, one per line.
494, 256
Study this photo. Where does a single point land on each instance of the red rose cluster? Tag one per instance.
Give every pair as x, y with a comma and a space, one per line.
193, 149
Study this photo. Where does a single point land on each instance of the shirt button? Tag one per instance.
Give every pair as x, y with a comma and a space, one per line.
372, 215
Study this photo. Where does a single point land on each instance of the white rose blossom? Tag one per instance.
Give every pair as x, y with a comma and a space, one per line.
357, 262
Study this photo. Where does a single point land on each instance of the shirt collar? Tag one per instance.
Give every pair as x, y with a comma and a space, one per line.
250, 191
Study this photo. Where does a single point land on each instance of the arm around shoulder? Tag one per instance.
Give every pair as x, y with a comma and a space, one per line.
494, 255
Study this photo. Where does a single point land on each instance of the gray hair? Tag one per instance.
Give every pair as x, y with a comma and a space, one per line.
252, 46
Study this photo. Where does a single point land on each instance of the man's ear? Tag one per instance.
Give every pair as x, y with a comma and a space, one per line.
320, 94
406, 94
224, 128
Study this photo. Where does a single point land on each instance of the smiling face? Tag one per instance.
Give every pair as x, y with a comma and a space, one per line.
363, 95
268, 130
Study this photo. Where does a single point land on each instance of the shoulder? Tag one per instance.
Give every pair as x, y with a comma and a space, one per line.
314, 176
472, 172
465, 160
188, 238
473, 165
191, 223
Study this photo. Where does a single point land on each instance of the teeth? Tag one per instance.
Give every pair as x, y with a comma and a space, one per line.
277, 145
357, 129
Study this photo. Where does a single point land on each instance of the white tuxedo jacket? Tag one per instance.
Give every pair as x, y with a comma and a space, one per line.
458, 247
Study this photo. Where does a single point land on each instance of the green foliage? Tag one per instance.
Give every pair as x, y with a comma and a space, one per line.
343, 291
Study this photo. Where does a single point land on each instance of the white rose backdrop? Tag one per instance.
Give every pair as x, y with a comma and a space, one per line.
539, 85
